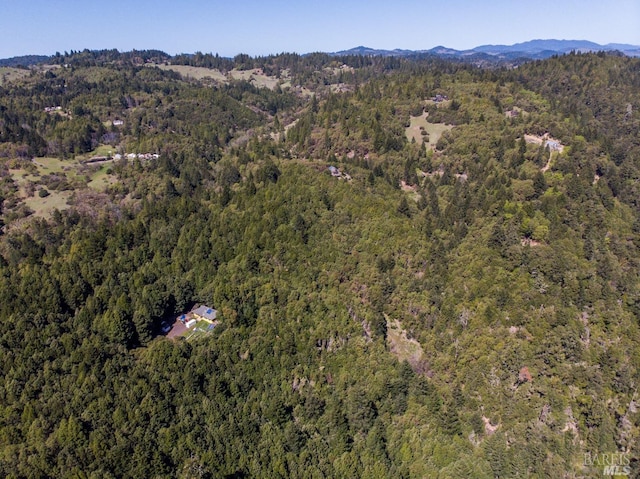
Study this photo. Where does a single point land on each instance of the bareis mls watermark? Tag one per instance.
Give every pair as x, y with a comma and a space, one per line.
612, 464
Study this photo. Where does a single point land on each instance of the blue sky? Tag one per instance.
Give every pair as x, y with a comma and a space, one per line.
274, 26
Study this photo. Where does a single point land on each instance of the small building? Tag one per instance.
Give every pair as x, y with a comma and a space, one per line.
553, 145
334, 171
205, 313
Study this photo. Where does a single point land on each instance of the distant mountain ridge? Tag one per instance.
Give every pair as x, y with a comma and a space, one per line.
533, 49
541, 46
516, 53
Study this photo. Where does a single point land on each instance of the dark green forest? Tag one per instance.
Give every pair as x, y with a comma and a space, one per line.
463, 302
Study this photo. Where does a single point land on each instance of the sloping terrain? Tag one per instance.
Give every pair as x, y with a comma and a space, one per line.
468, 309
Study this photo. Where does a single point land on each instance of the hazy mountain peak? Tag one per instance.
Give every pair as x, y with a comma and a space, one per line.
534, 49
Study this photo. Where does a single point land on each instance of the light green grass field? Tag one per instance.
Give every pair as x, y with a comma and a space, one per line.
43, 207
259, 80
53, 165
101, 180
20, 176
103, 150
434, 130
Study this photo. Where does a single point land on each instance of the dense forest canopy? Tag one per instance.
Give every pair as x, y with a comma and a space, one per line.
457, 297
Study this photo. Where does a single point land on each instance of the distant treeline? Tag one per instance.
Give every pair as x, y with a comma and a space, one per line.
242, 61
23, 61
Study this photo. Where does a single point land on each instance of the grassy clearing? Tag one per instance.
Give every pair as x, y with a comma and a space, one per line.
103, 150
21, 176
47, 166
401, 346
256, 77
43, 207
53, 165
30, 179
9, 74
72, 169
434, 130
101, 180
198, 73
413, 130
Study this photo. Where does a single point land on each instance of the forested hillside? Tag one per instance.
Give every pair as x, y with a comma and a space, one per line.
459, 297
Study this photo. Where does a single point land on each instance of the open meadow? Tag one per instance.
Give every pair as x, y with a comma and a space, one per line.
255, 76
9, 74
46, 184
434, 131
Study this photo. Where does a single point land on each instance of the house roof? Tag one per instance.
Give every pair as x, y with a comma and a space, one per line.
206, 312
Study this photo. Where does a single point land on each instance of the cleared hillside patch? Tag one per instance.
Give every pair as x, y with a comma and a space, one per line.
102, 179
9, 74
403, 347
43, 207
197, 73
48, 165
59, 178
255, 76
433, 131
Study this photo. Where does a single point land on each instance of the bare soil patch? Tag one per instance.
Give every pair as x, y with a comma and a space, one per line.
177, 329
